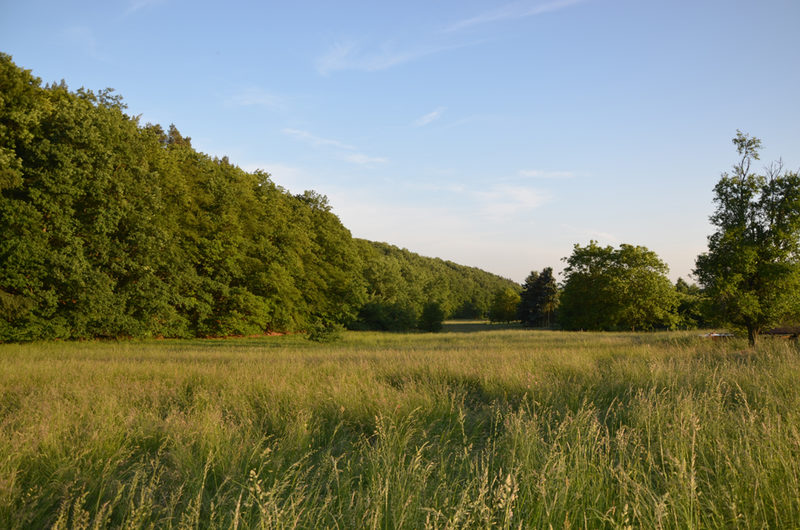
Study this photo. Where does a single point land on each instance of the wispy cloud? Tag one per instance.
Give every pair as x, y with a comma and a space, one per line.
317, 141
137, 5
471, 119
512, 11
364, 160
256, 97
83, 37
496, 202
604, 238
351, 56
429, 117
504, 201
344, 151
287, 176
540, 174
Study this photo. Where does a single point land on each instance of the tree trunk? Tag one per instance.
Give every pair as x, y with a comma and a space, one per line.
752, 335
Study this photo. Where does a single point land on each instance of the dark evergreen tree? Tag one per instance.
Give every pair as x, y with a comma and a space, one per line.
538, 299
527, 309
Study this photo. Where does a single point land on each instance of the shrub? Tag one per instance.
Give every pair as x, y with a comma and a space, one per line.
432, 317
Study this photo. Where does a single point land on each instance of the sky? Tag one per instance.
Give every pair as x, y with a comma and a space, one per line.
493, 134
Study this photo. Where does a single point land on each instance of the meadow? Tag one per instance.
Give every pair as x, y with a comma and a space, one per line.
478, 426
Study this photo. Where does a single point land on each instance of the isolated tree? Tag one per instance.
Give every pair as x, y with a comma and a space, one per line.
504, 305
751, 271
538, 299
609, 289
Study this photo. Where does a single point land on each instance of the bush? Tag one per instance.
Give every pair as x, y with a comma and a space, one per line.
325, 331
382, 316
432, 317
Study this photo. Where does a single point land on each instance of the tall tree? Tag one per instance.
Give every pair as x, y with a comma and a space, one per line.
526, 310
751, 271
539, 298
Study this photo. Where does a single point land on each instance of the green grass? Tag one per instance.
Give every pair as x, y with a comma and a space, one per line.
478, 426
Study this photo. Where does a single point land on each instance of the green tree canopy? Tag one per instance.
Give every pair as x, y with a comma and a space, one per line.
751, 271
432, 317
691, 308
400, 283
612, 289
504, 305
110, 228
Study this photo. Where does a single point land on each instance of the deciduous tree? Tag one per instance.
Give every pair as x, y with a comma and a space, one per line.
751, 271
612, 289
504, 305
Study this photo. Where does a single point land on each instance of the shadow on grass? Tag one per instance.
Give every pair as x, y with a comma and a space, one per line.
475, 326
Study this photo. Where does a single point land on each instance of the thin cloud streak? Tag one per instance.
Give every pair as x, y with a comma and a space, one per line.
317, 141
137, 5
350, 154
349, 56
430, 117
256, 97
504, 201
540, 174
364, 160
83, 37
498, 201
512, 11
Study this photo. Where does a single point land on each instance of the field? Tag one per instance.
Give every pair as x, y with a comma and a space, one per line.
475, 427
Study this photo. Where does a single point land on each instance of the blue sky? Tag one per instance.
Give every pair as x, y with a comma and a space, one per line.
493, 134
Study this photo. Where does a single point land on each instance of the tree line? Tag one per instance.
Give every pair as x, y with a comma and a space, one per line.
110, 228
749, 277
608, 289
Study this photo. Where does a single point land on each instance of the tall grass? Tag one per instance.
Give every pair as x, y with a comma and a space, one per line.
475, 427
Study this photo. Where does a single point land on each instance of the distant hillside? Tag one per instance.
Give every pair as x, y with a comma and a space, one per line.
110, 228
398, 276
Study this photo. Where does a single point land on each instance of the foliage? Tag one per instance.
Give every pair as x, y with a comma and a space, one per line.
751, 270
538, 299
612, 289
324, 331
488, 429
692, 310
383, 316
432, 317
400, 283
504, 305
471, 309
110, 228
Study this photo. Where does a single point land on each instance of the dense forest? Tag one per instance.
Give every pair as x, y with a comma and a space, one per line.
111, 228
